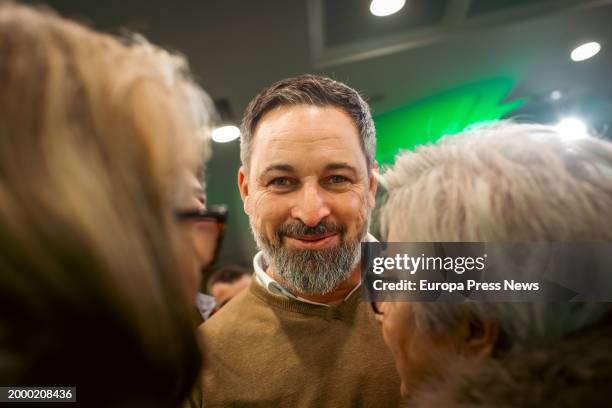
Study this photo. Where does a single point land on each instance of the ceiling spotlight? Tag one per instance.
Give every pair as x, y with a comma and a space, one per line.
382, 8
572, 128
555, 95
585, 51
224, 134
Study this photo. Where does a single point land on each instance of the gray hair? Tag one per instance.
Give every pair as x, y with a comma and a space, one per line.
309, 90
503, 182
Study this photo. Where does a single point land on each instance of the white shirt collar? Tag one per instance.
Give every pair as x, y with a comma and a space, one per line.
260, 265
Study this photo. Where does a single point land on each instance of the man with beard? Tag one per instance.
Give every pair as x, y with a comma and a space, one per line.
301, 336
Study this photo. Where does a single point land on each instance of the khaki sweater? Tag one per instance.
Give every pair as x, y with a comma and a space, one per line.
268, 351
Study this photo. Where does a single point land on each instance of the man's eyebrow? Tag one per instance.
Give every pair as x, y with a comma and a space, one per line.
277, 167
290, 169
341, 166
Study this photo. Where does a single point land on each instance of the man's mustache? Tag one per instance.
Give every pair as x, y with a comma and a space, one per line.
298, 228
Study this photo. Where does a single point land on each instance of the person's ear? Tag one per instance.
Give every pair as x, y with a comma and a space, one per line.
243, 187
482, 334
373, 185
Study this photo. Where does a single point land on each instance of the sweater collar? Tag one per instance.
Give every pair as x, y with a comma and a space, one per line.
345, 311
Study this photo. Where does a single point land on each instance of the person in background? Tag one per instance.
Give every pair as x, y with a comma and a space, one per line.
300, 336
96, 135
503, 182
227, 282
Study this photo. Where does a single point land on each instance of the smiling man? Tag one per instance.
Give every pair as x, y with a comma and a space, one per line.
301, 334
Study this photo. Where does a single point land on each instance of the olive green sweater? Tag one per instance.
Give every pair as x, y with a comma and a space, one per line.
269, 351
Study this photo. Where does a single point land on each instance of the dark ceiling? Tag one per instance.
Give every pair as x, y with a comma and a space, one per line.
236, 47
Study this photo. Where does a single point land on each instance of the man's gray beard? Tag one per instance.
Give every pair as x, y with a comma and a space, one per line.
312, 271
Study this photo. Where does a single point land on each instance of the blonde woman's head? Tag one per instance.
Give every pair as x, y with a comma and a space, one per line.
95, 137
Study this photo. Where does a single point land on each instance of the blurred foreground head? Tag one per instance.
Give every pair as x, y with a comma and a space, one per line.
500, 183
95, 137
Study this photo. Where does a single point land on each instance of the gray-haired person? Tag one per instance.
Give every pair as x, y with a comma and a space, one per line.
502, 182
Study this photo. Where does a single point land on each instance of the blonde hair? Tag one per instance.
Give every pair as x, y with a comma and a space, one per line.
496, 183
94, 137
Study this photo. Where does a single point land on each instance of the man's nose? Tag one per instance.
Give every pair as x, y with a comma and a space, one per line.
312, 205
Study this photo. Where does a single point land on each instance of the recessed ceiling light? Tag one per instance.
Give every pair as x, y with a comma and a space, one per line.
225, 134
555, 95
382, 8
585, 51
572, 128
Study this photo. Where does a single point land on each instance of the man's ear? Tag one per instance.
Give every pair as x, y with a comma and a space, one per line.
373, 184
243, 187
482, 334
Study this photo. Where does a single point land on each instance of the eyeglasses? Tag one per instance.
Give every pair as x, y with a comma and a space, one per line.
217, 214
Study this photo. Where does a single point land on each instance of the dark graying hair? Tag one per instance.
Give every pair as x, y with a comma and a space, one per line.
227, 274
309, 90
